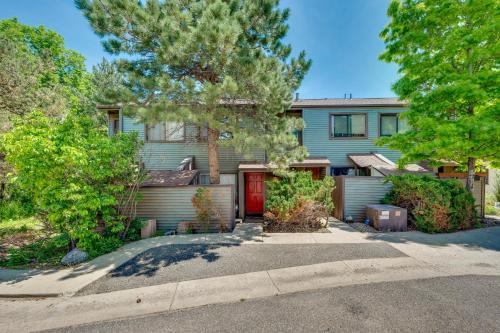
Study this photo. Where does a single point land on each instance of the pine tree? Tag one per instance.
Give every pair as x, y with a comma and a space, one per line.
447, 52
216, 63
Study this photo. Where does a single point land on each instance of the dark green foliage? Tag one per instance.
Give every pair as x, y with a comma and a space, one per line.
285, 194
448, 58
101, 245
80, 179
223, 64
46, 252
15, 203
37, 71
134, 230
433, 205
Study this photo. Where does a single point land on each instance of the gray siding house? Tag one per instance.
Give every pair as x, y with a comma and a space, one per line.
339, 136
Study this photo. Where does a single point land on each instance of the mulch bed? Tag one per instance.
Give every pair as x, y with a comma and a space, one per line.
17, 240
291, 227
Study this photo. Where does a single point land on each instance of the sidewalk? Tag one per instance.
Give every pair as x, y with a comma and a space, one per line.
66, 282
64, 311
475, 251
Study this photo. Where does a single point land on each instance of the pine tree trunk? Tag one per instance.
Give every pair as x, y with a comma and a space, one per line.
471, 166
213, 156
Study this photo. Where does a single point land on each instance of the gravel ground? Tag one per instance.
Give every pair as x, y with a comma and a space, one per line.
174, 263
451, 304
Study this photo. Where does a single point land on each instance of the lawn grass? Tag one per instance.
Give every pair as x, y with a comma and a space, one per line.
21, 225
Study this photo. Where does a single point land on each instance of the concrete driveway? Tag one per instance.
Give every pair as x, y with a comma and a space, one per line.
182, 262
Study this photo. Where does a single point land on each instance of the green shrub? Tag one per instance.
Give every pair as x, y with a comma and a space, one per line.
496, 187
15, 204
101, 245
134, 230
47, 251
284, 195
78, 177
206, 210
433, 205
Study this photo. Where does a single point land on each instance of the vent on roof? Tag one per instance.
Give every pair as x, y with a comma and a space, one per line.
296, 96
350, 96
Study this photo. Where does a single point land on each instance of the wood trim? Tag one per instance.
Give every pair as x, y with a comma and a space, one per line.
460, 174
338, 198
357, 106
331, 135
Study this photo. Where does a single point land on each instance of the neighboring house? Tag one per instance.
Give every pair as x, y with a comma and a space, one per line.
339, 135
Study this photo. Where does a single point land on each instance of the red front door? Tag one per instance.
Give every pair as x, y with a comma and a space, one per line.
254, 193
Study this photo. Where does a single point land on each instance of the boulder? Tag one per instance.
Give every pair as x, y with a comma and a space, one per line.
74, 257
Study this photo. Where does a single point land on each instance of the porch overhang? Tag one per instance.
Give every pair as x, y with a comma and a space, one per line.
310, 162
383, 165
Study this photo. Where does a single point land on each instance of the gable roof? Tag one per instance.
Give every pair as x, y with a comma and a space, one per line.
346, 102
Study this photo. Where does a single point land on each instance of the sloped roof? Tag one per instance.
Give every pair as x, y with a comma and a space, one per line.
169, 178
314, 103
383, 165
307, 162
346, 102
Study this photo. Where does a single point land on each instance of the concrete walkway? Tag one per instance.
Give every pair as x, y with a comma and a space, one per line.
458, 251
24, 315
427, 256
66, 282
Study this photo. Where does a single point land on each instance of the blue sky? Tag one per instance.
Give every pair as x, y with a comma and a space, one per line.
340, 36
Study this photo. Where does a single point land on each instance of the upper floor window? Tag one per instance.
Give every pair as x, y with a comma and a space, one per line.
298, 135
390, 124
203, 134
348, 125
167, 131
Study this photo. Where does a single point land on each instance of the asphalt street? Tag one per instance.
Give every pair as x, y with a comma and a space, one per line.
450, 304
175, 263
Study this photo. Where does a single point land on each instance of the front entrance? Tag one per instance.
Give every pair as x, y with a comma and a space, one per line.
254, 193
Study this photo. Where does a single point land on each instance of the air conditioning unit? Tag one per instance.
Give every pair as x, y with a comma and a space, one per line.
387, 217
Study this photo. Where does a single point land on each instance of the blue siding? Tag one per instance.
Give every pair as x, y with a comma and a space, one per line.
316, 135
166, 156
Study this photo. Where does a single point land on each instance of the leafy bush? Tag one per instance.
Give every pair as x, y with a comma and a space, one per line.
206, 211
78, 177
433, 205
496, 187
46, 251
299, 200
15, 204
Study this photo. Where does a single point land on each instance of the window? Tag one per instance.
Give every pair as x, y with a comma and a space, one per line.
203, 134
169, 131
391, 124
298, 135
348, 125
342, 171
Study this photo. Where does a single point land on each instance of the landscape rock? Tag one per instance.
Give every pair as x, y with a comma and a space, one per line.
74, 257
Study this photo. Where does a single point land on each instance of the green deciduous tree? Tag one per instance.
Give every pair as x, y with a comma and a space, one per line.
82, 182
215, 63
38, 72
448, 57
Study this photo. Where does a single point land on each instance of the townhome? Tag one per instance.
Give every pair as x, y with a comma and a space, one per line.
339, 135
